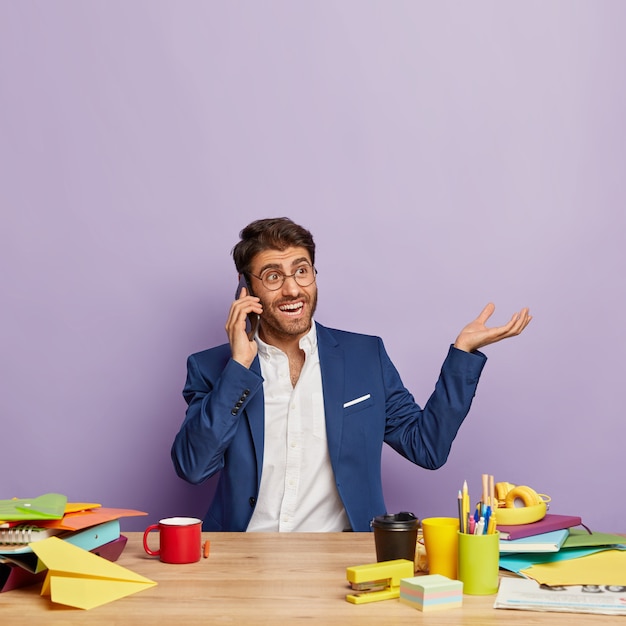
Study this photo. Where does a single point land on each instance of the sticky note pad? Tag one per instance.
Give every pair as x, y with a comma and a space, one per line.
431, 593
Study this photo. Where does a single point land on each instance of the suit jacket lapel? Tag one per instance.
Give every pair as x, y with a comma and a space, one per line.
255, 411
332, 367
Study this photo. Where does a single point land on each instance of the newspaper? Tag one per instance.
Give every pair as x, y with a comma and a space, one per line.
528, 595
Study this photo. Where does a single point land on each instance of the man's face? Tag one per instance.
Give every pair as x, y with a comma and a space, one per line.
287, 311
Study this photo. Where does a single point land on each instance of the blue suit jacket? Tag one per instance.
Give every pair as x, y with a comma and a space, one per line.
223, 429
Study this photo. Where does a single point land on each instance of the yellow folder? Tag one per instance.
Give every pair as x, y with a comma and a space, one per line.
602, 568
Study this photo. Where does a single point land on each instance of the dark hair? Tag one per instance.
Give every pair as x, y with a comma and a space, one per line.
276, 233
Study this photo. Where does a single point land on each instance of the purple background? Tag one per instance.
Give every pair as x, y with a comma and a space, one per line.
444, 154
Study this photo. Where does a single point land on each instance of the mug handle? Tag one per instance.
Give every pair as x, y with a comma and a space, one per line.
145, 540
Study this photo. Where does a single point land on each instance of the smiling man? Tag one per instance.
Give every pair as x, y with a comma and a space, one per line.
294, 415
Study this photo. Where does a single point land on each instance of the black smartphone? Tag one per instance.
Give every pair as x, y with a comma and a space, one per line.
252, 320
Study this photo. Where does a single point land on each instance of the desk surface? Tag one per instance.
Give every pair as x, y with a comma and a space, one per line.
259, 578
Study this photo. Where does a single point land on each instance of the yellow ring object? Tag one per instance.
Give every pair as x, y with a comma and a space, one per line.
521, 496
521, 515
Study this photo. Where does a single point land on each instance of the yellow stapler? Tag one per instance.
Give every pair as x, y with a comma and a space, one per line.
378, 581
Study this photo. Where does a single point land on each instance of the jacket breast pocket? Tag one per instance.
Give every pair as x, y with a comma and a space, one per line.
358, 404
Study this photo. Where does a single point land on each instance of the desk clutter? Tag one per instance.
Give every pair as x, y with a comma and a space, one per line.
68, 547
553, 558
554, 562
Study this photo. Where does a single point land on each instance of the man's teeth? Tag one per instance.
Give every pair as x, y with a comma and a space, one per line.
291, 307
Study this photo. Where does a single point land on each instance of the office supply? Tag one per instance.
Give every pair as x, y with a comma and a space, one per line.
431, 593
579, 538
78, 520
14, 576
76, 507
607, 567
517, 562
483, 520
112, 550
47, 506
88, 538
550, 522
94, 536
516, 593
23, 534
466, 507
258, 579
377, 581
83, 580
546, 542
478, 563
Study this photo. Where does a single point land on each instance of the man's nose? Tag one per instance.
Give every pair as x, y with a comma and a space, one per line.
290, 286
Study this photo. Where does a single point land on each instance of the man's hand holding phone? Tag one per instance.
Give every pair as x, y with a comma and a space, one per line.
242, 323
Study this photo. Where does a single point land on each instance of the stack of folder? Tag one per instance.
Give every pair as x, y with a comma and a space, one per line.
547, 535
552, 553
24, 522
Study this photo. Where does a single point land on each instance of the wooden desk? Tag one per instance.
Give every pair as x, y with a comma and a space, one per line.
258, 578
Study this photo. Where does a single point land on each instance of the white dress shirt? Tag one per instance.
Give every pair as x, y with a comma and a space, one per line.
298, 490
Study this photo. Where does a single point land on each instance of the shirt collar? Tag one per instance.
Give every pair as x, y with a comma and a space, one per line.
308, 343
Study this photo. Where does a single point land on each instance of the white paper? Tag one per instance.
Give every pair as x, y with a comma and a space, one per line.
528, 595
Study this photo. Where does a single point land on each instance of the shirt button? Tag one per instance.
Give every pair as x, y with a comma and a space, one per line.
252, 501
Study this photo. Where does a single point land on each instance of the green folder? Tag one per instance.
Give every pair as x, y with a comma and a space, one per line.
579, 538
48, 506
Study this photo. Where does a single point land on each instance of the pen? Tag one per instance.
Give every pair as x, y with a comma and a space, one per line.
487, 519
471, 525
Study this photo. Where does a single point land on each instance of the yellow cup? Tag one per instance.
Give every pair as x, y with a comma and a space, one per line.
479, 557
441, 540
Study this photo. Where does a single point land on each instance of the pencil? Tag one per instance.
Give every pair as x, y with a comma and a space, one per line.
465, 507
206, 547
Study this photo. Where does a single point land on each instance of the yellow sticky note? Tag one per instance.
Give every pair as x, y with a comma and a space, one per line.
602, 568
81, 579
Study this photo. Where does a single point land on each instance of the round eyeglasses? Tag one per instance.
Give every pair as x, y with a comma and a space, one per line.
274, 279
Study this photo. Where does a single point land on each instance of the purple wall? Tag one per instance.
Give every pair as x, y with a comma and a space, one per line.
443, 154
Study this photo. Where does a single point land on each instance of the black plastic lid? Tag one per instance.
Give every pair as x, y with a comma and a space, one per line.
396, 521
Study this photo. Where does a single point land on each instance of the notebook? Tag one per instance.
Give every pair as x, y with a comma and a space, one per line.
550, 522
19, 536
546, 542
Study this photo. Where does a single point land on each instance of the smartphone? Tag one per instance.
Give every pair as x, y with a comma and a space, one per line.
252, 320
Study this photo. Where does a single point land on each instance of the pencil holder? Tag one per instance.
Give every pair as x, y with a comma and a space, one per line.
479, 557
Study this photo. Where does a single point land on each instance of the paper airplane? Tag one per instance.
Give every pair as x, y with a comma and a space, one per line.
81, 579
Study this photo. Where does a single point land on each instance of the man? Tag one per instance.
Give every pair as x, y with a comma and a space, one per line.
295, 416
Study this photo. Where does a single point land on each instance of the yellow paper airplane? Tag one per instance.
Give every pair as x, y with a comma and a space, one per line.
81, 579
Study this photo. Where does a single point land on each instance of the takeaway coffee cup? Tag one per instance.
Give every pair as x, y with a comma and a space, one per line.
395, 536
180, 539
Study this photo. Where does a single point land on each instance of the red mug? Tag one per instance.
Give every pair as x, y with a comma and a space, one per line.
180, 539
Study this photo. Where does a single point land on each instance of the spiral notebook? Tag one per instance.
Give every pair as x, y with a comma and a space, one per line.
17, 537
